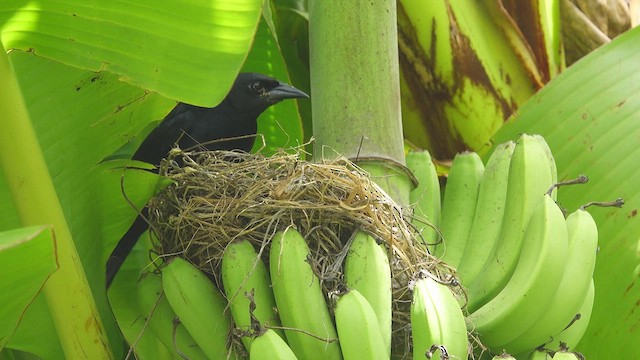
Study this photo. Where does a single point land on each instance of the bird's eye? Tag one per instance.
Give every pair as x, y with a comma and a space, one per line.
257, 87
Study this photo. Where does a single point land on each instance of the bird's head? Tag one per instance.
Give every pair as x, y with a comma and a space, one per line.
256, 92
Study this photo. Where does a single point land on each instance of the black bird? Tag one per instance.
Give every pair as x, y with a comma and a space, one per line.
189, 125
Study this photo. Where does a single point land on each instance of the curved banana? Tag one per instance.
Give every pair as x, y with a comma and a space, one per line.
358, 328
160, 317
503, 356
572, 335
567, 355
452, 321
553, 169
243, 271
489, 213
301, 304
536, 278
459, 206
436, 319
268, 346
425, 324
529, 178
575, 283
540, 354
366, 269
199, 305
426, 197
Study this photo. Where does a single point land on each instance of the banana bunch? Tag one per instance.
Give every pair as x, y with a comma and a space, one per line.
531, 174
362, 327
536, 278
193, 319
279, 310
527, 267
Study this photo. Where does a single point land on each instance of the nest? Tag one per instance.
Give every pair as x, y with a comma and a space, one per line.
221, 196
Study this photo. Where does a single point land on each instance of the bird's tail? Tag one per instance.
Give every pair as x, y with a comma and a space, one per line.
125, 245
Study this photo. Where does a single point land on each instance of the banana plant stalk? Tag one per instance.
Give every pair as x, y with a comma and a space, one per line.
355, 86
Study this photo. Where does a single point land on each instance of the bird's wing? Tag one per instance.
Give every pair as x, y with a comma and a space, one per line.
158, 143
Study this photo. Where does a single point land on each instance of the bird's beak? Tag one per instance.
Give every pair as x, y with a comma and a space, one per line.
284, 91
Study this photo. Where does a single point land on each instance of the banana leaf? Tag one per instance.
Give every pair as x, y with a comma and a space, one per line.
27, 259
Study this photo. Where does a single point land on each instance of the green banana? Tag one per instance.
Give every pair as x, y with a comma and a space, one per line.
436, 319
574, 286
503, 356
572, 335
539, 354
302, 307
536, 278
143, 341
268, 346
199, 305
489, 213
459, 206
425, 324
160, 317
553, 169
529, 178
567, 355
452, 321
145, 344
425, 198
243, 271
366, 269
359, 328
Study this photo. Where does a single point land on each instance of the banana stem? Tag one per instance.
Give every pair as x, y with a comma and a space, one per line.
356, 88
581, 179
615, 203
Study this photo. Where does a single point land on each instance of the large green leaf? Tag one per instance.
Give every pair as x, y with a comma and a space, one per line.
83, 111
175, 48
291, 22
590, 116
82, 117
36, 333
27, 258
94, 114
280, 124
